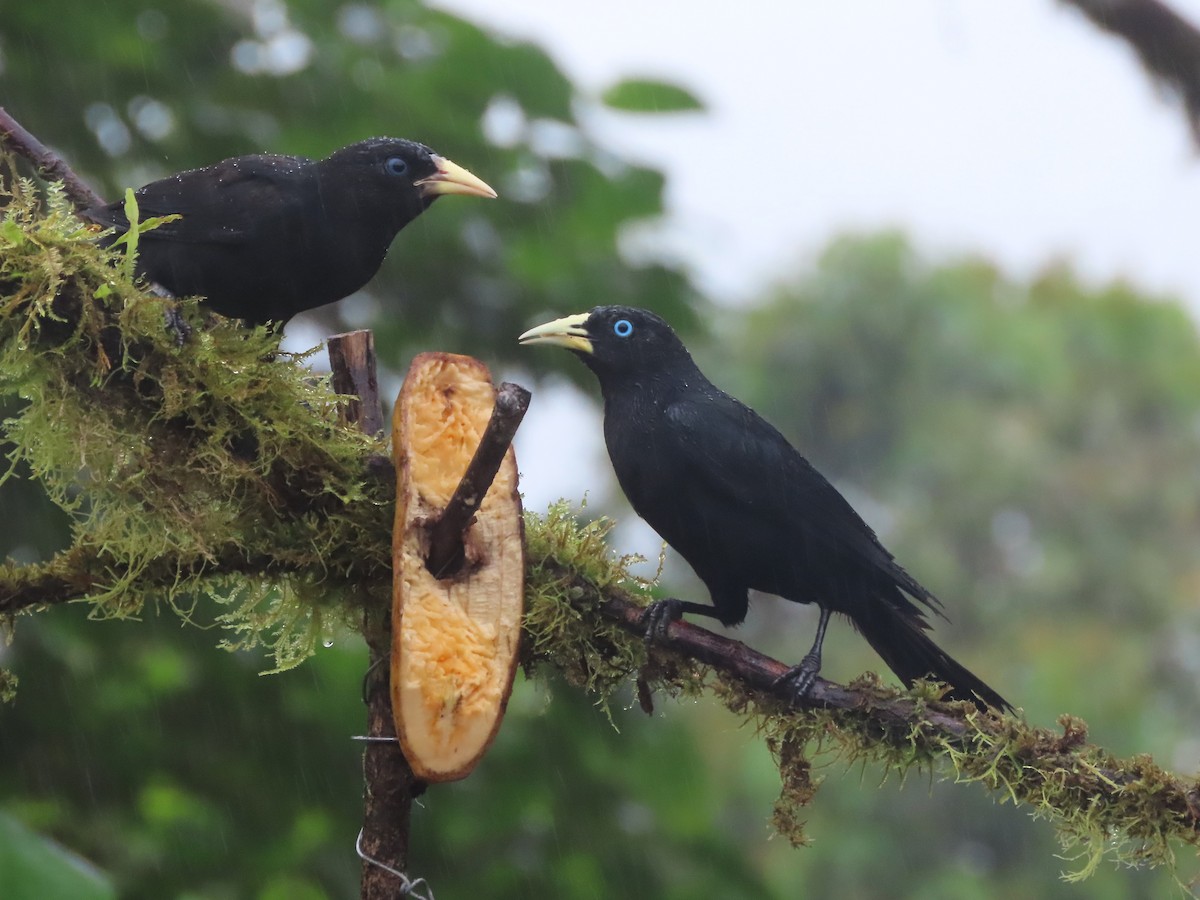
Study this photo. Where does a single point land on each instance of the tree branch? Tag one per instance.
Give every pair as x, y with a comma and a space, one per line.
1127, 808
759, 672
48, 164
1167, 44
353, 367
83, 571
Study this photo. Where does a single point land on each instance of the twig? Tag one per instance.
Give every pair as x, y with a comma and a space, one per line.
352, 362
1167, 44
446, 536
389, 784
48, 164
53, 167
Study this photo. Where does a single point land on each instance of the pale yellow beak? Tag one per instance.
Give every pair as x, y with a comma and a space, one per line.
451, 178
566, 332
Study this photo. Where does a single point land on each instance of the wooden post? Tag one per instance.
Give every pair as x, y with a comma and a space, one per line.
389, 784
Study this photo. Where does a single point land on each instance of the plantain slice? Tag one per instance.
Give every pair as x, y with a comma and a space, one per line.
454, 640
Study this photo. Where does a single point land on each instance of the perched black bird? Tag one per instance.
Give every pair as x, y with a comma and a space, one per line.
264, 237
741, 505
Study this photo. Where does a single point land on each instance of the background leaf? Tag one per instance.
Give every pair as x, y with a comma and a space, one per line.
646, 95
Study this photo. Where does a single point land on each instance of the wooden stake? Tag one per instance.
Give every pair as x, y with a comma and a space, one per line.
389, 784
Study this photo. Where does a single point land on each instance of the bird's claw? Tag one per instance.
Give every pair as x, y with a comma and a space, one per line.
801, 677
176, 324
658, 618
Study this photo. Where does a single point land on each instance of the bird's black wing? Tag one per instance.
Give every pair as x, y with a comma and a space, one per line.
229, 202
732, 453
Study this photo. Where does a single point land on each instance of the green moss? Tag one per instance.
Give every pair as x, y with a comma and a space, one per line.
222, 453
8, 686
568, 564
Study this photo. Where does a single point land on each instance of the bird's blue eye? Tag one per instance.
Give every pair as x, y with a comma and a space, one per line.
623, 328
395, 166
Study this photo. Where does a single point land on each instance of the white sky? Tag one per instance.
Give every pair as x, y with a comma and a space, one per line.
1017, 129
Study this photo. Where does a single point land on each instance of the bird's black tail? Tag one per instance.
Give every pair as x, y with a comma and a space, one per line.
898, 636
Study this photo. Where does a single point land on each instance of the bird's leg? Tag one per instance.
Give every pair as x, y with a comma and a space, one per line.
661, 613
176, 324
658, 617
803, 675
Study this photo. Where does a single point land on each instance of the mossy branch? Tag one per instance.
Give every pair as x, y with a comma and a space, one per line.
84, 572
221, 468
583, 618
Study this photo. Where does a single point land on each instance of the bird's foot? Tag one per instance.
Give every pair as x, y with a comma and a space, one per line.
800, 677
176, 324
658, 618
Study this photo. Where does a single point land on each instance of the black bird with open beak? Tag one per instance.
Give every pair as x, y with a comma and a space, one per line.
742, 506
264, 237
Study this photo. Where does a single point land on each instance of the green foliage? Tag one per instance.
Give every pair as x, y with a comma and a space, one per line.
641, 95
174, 767
1044, 431
129, 240
34, 868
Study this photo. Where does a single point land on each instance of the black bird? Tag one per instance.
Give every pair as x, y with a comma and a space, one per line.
741, 505
264, 237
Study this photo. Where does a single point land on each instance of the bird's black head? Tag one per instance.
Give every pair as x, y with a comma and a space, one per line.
615, 341
404, 173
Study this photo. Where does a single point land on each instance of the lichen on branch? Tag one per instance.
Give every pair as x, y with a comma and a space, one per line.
181, 465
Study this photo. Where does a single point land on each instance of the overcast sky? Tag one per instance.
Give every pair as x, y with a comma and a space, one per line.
1016, 129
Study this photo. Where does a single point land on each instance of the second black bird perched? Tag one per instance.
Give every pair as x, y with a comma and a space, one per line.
264, 237
741, 505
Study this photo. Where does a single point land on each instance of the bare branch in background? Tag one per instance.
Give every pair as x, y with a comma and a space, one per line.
1167, 44
49, 164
